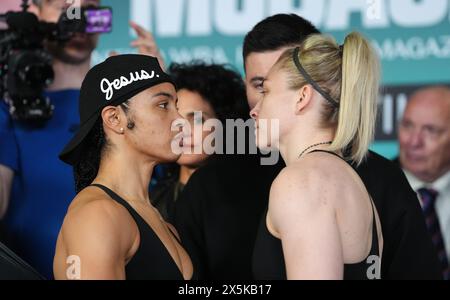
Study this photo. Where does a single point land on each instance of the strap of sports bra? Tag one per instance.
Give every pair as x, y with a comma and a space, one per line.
132, 211
329, 152
375, 247
114, 196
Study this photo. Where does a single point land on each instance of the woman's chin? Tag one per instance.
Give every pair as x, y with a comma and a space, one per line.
263, 146
191, 159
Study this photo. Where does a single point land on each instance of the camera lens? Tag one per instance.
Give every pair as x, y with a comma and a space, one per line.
38, 74
34, 69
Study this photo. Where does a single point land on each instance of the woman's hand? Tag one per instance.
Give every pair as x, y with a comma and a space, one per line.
146, 44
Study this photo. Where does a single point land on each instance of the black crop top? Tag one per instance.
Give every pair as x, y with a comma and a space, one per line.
268, 258
152, 260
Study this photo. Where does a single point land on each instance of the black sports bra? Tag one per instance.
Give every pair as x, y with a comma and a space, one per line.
268, 258
152, 260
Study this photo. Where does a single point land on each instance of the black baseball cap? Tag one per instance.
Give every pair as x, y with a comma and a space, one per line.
111, 82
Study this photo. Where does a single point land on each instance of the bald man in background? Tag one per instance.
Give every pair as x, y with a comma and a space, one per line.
424, 137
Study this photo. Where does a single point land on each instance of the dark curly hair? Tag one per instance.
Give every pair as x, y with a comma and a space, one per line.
219, 85
97, 144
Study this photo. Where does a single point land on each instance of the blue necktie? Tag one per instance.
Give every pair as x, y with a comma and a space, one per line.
428, 197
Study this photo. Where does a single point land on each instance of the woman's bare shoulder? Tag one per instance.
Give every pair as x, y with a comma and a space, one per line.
94, 213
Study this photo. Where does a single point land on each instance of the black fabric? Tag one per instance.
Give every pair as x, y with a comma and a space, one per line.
408, 251
166, 192
152, 260
111, 82
13, 267
218, 214
268, 257
396, 161
163, 198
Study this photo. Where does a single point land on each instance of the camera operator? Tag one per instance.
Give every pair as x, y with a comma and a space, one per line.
35, 186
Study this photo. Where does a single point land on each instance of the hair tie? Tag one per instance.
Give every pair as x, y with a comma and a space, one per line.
311, 81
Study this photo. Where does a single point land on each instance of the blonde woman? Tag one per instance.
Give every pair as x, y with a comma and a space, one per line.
321, 222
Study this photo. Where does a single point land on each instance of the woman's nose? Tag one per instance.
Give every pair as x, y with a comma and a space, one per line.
254, 112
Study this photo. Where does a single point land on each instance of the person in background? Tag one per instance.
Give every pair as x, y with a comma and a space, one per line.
223, 203
424, 138
205, 91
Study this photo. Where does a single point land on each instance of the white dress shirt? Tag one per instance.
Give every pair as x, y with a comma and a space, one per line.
442, 206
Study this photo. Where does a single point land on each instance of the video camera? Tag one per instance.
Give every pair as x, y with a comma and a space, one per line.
26, 67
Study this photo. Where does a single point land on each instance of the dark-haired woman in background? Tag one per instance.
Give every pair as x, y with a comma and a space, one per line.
111, 230
205, 91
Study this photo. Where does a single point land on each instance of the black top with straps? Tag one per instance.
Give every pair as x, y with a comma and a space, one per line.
268, 258
152, 261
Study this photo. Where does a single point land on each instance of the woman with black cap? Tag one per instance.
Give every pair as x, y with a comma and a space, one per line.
111, 231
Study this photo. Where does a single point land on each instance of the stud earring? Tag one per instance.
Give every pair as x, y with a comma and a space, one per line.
121, 130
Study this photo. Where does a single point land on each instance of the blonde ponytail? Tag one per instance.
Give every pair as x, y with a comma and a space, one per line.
359, 96
348, 79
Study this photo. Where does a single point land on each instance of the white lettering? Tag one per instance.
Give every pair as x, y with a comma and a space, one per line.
108, 87
74, 269
388, 107
205, 53
374, 270
230, 20
340, 14
414, 48
141, 12
176, 18
199, 20
73, 12
312, 8
412, 13
169, 17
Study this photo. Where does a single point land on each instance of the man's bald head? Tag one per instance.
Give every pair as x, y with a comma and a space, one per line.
424, 133
438, 95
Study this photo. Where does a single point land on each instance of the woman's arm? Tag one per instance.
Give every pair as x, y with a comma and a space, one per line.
94, 237
302, 215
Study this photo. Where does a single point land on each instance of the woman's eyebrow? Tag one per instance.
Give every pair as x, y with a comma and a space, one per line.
165, 94
194, 112
257, 79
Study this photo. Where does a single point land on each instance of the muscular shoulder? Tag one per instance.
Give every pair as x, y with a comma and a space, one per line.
312, 175
305, 189
96, 221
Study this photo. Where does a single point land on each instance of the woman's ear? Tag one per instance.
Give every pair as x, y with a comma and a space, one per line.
304, 97
112, 119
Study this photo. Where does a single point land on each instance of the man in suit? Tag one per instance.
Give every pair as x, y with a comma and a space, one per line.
424, 136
